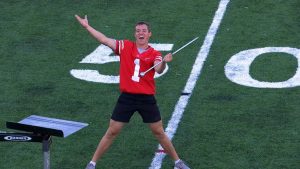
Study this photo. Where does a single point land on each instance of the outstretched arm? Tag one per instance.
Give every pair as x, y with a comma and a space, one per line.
161, 67
96, 34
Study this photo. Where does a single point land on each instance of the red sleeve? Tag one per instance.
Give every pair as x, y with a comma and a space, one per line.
119, 46
158, 56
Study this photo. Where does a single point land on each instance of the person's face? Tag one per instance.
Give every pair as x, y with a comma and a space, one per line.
142, 34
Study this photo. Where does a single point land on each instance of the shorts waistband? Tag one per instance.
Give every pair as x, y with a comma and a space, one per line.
136, 94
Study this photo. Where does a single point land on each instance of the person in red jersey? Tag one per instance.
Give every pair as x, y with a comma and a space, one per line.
137, 93
135, 59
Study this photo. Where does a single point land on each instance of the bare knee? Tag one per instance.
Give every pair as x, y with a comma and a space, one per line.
114, 129
157, 130
111, 133
159, 134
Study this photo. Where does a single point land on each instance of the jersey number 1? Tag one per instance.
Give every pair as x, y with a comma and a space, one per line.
137, 66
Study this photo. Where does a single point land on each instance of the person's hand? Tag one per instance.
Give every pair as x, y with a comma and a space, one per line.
168, 58
83, 21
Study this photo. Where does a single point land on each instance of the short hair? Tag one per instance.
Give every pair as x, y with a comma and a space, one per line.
144, 23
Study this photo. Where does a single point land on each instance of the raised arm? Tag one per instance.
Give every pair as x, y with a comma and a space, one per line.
96, 34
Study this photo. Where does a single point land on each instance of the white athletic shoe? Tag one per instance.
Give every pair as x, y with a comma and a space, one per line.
90, 166
181, 165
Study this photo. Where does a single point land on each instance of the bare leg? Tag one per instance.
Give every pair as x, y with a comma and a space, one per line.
158, 132
111, 133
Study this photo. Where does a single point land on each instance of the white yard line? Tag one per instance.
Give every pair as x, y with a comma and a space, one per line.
188, 89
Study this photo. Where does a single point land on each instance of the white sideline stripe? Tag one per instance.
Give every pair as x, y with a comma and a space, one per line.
197, 67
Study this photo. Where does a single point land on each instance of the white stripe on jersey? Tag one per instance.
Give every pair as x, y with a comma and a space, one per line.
122, 45
119, 46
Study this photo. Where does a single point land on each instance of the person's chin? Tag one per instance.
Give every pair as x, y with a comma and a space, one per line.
142, 41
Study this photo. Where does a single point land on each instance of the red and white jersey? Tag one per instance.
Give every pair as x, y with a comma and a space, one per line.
132, 63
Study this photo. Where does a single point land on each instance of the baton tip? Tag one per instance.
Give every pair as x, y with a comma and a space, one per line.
142, 74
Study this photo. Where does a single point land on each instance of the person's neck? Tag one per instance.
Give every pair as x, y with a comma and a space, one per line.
142, 46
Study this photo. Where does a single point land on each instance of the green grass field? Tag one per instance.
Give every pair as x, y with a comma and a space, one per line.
225, 125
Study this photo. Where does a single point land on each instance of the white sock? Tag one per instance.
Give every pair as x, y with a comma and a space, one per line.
93, 163
177, 161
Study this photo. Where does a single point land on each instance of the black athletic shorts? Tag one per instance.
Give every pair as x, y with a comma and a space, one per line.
144, 104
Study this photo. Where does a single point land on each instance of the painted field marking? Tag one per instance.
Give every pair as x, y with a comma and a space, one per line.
188, 89
237, 68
